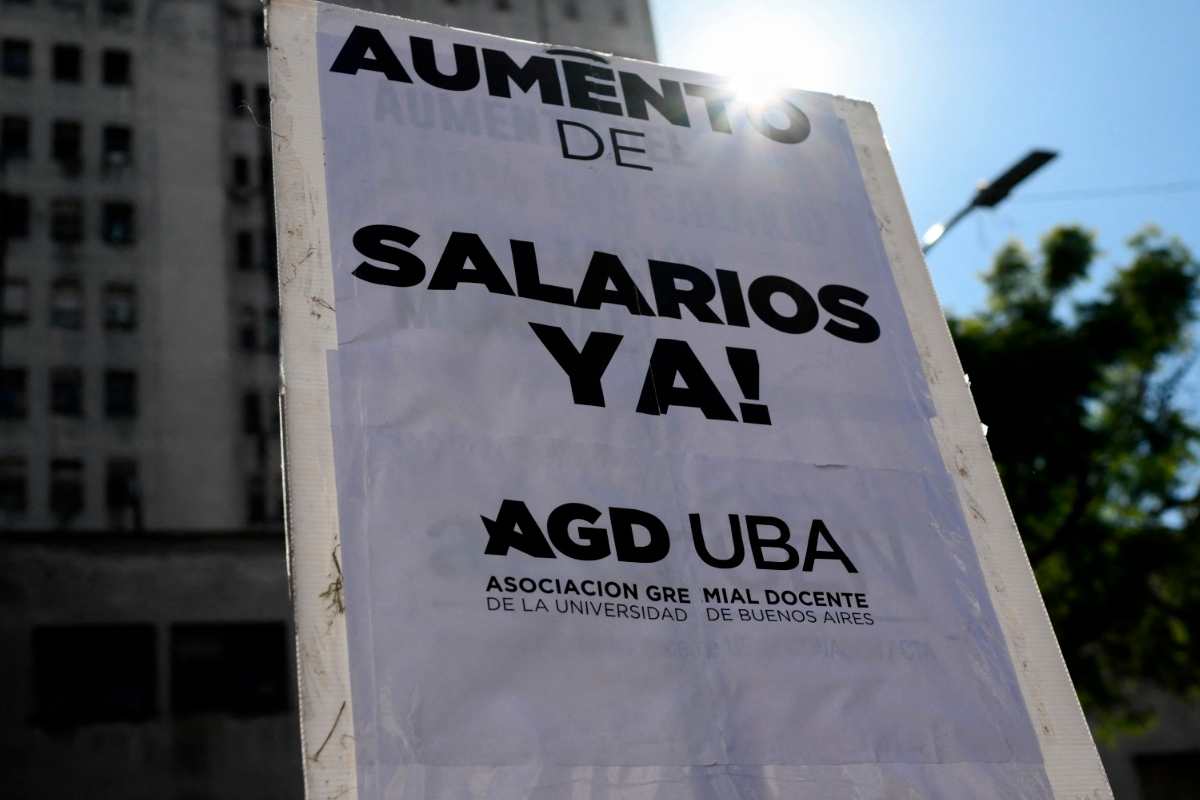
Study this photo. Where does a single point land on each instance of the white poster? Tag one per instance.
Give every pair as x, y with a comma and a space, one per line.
635, 468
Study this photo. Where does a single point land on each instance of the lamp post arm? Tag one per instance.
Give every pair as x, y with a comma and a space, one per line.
939, 230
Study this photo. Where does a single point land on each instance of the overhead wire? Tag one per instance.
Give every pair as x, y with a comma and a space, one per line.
1143, 190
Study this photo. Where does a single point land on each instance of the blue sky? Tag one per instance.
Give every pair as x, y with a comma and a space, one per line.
964, 89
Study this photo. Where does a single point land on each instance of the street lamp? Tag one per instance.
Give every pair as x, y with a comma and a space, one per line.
990, 194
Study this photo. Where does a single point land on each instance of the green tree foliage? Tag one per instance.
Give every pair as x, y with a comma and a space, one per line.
1097, 458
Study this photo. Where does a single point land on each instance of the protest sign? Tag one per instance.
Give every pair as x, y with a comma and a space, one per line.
623, 427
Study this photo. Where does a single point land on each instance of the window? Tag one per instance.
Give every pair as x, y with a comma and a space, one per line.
117, 223
115, 10
66, 392
264, 173
503, 5
115, 69
120, 307
241, 172
251, 413
244, 250
120, 394
258, 30
16, 216
619, 15
67, 146
262, 103
93, 673
121, 489
273, 331
66, 220
1169, 776
16, 301
117, 145
14, 399
13, 489
66, 304
16, 58
248, 329
237, 98
68, 63
256, 500
571, 9
66, 488
14, 139
236, 668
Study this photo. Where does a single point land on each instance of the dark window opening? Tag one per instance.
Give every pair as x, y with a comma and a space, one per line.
503, 5
262, 103
571, 10
13, 489
68, 63
93, 673
115, 68
16, 301
273, 331
16, 217
113, 10
16, 58
264, 173
117, 223
269, 250
619, 15
66, 392
248, 330
241, 172
66, 488
234, 668
251, 413
66, 304
14, 396
120, 307
123, 495
1169, 776
66, 220
14, 139
118, 146
244, 250
256, 500
237, 99
120, 394
120, 484
258, 30
66, 146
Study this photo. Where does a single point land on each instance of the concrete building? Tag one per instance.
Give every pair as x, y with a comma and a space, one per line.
1162, 763
139, 348
147, 666
143, 597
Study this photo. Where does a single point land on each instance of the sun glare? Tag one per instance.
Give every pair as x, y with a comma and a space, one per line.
754, 90
766, 51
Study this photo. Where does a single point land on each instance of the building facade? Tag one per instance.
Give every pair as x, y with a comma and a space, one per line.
144, 599
139, 351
